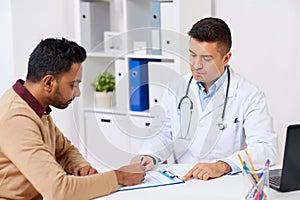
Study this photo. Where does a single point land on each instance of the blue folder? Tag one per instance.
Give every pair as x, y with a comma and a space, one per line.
139, 89
138, 81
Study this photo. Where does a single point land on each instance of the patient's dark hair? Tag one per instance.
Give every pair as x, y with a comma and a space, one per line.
212, 30
53, 56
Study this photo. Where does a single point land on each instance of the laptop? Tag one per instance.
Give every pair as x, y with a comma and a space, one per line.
288, 178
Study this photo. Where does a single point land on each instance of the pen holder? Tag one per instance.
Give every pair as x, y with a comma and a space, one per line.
256, 184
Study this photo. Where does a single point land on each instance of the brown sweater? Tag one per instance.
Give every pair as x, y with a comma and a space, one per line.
35, 157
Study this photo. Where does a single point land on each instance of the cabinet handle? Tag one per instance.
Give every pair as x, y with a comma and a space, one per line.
105, 120
147, 124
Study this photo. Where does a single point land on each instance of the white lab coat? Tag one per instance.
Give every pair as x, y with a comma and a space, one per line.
249, 125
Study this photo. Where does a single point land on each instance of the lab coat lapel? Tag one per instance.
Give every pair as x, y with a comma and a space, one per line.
214, 111
216, 101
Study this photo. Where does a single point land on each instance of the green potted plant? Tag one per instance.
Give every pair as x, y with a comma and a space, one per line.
104, 86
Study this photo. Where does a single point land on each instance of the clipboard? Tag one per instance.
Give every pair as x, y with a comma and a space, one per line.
155, 178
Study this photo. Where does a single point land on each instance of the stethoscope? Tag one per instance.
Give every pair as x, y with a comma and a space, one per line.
222, 125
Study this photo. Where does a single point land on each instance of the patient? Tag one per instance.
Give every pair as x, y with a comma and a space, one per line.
36, 160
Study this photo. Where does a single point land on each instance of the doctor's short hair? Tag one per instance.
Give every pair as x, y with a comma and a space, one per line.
53, 57
212, 30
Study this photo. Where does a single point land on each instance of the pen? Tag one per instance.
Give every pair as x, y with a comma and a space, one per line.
256, 192
236, 120
262, 194
257, 195
264, 169
249, 175
252, 166
240, 159
141, 161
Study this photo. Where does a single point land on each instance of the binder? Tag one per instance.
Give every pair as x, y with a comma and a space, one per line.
160, 76
170, 30
139, 89
92, 28
156, 178
122, 85
139, 83
156, 27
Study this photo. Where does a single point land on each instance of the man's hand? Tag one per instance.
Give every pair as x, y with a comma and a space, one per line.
205, 171
84, 171
147, 162
130, 174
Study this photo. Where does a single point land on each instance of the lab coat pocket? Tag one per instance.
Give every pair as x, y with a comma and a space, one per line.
233, 126
229, 138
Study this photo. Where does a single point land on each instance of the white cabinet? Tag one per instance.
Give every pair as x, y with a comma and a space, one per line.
105, 142
110, 30
113, 139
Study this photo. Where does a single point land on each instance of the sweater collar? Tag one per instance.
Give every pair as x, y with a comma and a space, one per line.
30, 99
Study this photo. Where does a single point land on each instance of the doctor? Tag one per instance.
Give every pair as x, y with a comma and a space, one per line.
213, 113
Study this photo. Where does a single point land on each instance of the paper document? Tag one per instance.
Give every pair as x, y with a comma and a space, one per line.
154, 179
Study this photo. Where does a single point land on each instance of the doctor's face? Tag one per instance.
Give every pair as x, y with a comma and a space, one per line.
206, 62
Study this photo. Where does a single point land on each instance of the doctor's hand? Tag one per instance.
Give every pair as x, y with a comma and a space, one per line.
130, 174
145, 161
205, 171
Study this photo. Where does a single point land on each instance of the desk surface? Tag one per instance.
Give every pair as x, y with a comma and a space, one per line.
226, 187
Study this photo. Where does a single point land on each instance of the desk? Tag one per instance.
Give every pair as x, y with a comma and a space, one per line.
226, 188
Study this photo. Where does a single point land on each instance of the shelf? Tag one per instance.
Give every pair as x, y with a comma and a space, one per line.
113, 110
102, 54
141, 114
149, 56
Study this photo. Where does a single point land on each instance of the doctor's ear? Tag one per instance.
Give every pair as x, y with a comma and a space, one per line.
48, 82
227, 57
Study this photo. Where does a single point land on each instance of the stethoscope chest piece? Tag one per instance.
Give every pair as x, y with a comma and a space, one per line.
222, 125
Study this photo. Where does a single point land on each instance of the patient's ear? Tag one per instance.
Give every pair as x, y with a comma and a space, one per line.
48, 83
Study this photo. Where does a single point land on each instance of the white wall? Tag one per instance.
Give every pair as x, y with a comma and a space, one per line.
6, 61
190, 12
266, 49
31, 21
